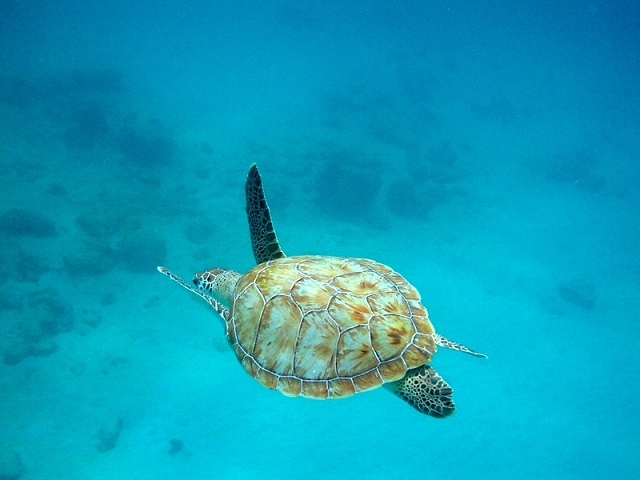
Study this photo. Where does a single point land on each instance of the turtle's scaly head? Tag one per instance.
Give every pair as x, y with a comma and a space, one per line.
218, 282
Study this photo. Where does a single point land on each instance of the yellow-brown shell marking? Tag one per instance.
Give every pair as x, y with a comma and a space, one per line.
328, 326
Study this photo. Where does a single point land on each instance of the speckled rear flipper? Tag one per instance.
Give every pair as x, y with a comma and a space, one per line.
446, 343
263, 236
426, 391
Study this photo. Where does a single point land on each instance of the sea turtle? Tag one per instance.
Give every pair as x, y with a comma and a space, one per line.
325, 327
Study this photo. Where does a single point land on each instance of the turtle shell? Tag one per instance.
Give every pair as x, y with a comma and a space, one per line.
322, 327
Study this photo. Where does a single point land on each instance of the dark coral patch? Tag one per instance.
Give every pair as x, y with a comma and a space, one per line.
140, 252
19, 222
580, 294
347, 188
146, 148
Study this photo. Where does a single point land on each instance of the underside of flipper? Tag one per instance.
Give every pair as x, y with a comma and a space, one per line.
425, 391
263, 236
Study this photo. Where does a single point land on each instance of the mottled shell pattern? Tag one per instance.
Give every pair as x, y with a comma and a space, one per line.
323, 327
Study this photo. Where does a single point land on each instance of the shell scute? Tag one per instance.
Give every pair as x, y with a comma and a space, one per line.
275, 279
423, 324
393, 369
355, 353
389, 304
247, 307
341, 387
407, 290
327, 270
389, 335
315, 389
250, 365
277, 334
266, 378
425, 342
317, 346
368, 381
415, 357
377, 267
311, 294
362, 283
417, 308
348, 310
290, 386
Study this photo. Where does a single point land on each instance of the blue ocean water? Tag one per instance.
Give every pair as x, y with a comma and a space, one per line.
488, 151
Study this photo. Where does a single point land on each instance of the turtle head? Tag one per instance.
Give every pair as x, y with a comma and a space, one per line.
217, 282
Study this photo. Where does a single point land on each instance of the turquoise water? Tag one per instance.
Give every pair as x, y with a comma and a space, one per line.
490, 152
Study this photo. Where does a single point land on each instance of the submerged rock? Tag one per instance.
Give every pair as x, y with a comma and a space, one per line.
141, 250
14, 353
175, 446
11, 467
19, 222
19, 350
343, 191
109, 433
578, 293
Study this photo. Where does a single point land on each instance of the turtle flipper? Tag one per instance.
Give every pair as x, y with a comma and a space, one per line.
426, 391
446, 343
263, 236
219, 307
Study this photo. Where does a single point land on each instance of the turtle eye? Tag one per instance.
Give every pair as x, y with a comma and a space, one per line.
204, 285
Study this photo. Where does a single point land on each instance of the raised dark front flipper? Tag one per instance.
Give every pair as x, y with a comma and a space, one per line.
426, 391
263, 236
